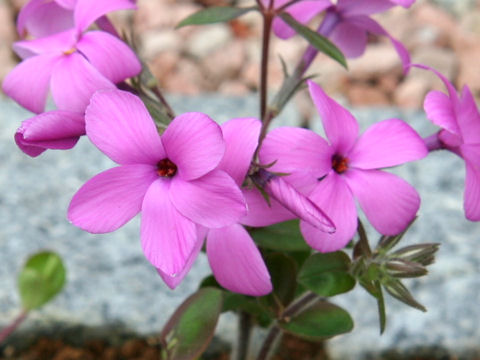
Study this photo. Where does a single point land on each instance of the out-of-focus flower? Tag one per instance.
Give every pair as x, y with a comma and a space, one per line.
172, 179
333, 174
346, 23
74, 63
459, 119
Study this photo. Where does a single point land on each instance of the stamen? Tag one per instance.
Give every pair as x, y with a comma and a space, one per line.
69, 52
166, 168
339, 163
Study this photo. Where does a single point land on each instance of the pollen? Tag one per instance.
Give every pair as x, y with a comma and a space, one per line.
339, 163
69, 52
166, 168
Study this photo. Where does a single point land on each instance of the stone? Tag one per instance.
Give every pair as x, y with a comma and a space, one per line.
366, 95
411, 93
208, 39
113, 289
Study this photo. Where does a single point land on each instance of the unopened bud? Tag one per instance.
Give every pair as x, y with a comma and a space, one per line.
276, 187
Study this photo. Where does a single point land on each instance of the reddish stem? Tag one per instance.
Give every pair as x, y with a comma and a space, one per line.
11, 328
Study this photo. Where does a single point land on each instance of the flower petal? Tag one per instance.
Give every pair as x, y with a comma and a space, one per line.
119, 124
236, 261
40, 18
87, 11
374, 27
168, 238
194, 142
67, 4
440, 111
260, 213
340, 126
303, 12
173, 281
335, 198
109, 55
364, 7
388, 201
297, 203
50, 130
57, 44
27, 85
73, 82
472, 192
387, 143
468, 118
110, 199
349, 38
241, 139
292, 150
213, 200
471, 204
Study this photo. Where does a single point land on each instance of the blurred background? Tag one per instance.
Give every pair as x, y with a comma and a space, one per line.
223, 58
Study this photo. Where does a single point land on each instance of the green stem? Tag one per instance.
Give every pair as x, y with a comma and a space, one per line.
275, 332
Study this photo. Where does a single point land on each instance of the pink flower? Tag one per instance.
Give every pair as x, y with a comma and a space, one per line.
234, 258
346, 24
172, 179
74, 63
459, 119
333, 174
50, 130
41, 18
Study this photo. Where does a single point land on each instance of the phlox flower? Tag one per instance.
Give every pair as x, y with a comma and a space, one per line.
347, 167
459, 119
40, 18
347, 24
74, 63
55, 129
172, 179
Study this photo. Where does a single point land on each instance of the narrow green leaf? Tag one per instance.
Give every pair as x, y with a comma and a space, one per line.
316, 40
42, 277
395, 288
374, 288
214, 14
284, 236
319, 322
190, 329
327, 274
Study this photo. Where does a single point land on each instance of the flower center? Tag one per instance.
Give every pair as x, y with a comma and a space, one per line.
339, 163
166, 168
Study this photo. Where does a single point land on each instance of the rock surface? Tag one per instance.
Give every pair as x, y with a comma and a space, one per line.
111, 284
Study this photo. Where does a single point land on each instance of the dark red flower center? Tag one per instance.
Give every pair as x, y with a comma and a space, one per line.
339, 163
166, 168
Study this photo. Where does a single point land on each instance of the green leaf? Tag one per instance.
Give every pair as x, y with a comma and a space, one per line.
42, 277
316, 40
214, 14
318, 322
190, 329
284, 236
327, 274
374, 288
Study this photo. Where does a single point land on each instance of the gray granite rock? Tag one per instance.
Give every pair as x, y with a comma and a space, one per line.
110, 283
